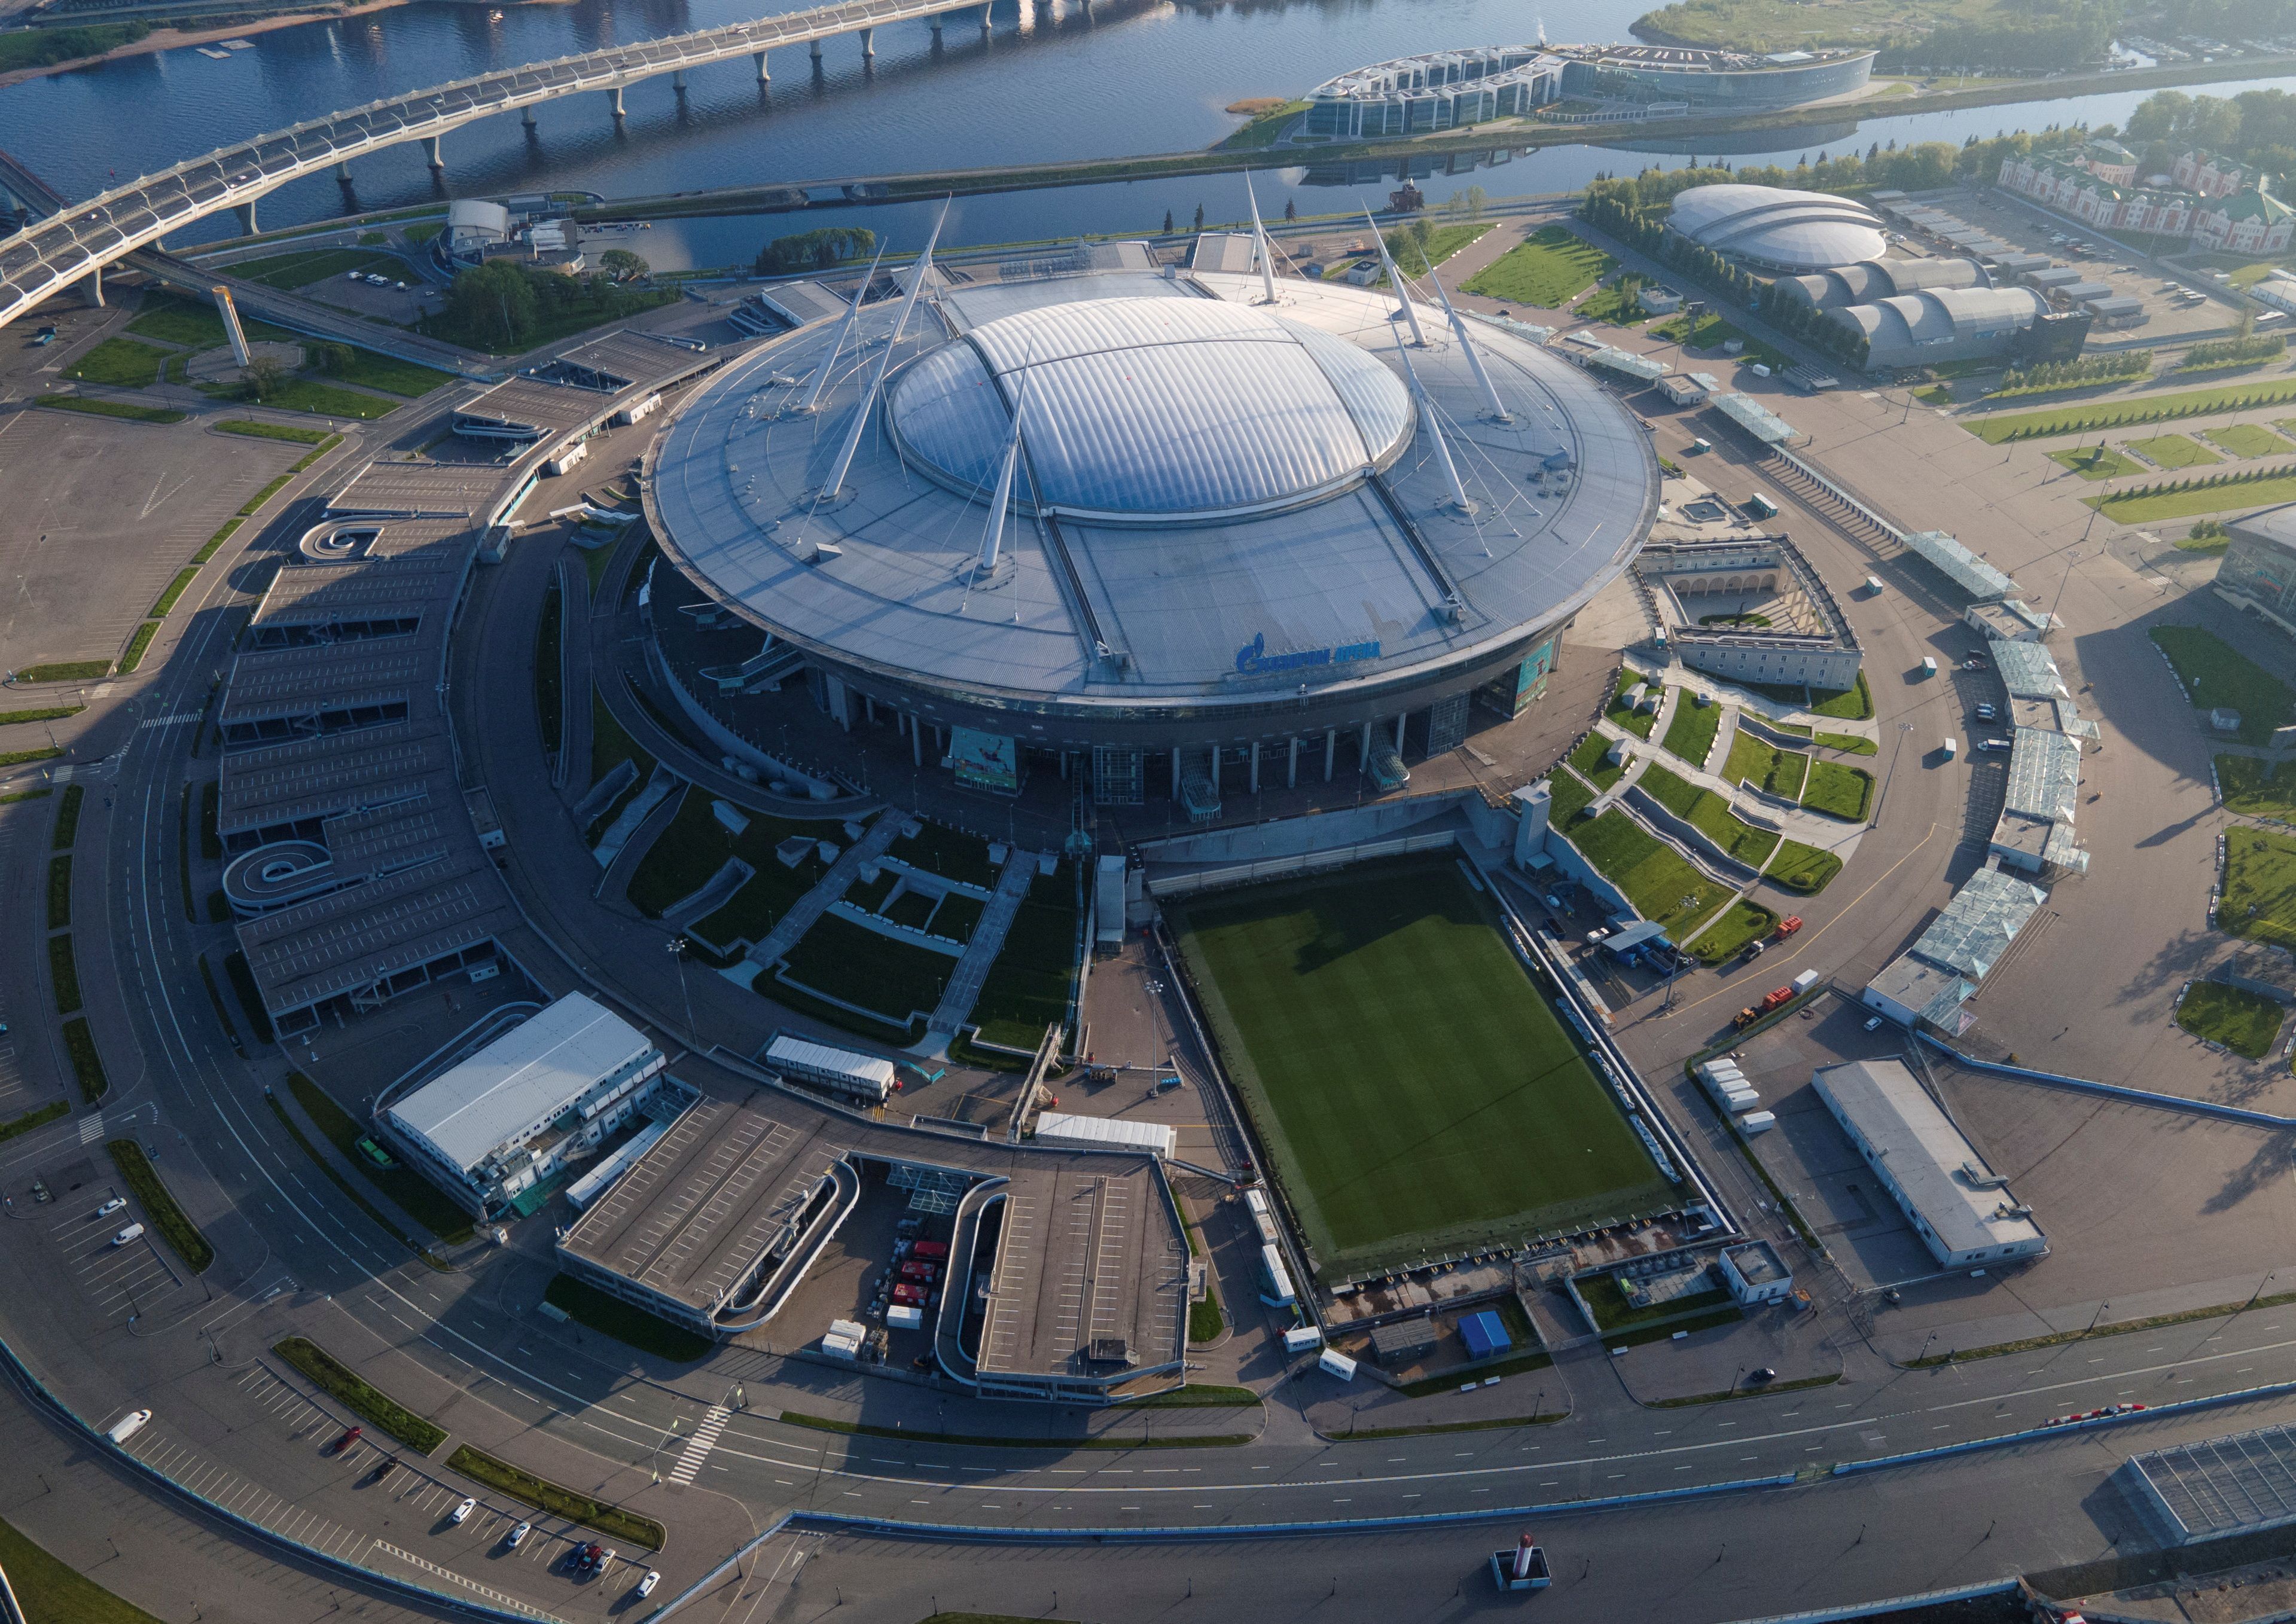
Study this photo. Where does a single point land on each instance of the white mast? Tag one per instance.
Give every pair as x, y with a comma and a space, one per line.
1434, 429
835, 483
1395, 281
1474, 360
844, 330
993, 542
1260, 238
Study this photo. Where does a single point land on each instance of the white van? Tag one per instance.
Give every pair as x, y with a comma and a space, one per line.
1952, 749
121, 1430
133, 1232
1874, 584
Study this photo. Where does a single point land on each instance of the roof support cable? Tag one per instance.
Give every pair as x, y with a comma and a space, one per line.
1474, 358
844, 331
835, 484
992, 541
1259, 241
1459, 497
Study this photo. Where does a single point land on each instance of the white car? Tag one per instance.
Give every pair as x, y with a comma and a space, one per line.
647, 1585
517, 1535
461, 1513
111, 1207
133, 1232
1874, 1023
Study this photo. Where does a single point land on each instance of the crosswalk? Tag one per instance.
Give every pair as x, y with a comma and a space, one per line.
698, 1446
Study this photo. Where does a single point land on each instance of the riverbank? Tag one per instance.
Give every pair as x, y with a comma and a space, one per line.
1515, 134
169, 39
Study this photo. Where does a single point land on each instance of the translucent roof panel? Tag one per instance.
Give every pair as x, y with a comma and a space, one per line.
2044, 775
1978, 925
1959, 565
1140, 408
1756, 419
2027, 669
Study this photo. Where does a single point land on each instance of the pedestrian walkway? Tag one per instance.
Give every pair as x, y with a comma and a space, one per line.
698, 1446
815, 902
964, 984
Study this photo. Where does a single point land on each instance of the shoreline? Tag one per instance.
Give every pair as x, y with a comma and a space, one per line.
172, 39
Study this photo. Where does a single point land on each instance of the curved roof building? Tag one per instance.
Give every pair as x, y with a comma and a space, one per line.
1232, 527
1776, 229
1872, 279
1940, 324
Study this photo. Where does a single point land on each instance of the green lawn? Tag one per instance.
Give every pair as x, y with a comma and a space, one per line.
1445, 241
369, 369
2245, 1022
361, 1397
159, 1204
1691, 735
325, 400
1745, 922
2247, 440
1637, 723
422, 1199
122, 362
2096, 462
1613, 1312
2201, 497
2175, 451
1780, 772
255, 429
195, 324
128, 409
543, 1495
1589, 760
586, 1305
854, 963
950, 853
2095, 415
1663, 887
1803, 868
1839, 792
1843, 704
52, 1592
287, 271
622, 306
2252, 789
1416, 1091
1548, 269
2259, 887
1709, 814
2215, 673
1852, 742
1028, 984
696, 846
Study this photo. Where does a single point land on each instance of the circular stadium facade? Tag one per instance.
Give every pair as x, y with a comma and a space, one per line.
1231, 528
1795, 232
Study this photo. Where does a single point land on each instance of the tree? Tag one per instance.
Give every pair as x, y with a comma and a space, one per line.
1167, 222
263, 377
812, 250
1290, 209
495, 304
620, 264
1199, 217
331, 360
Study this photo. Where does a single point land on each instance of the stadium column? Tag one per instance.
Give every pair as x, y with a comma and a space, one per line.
1331, 750
1399, 721
1291, 767
1176, 771
916, 742
1255, 766
1363, 754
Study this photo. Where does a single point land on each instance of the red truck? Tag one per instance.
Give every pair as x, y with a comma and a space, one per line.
1777, 1000
933, 1251
916, 1295
1788, 926
923, 1273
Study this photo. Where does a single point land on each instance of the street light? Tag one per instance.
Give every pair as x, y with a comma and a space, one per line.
678, 948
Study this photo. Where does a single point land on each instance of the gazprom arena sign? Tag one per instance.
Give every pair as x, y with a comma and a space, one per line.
1253, 659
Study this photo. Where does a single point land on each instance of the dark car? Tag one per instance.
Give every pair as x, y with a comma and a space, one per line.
348, 1438
1764, 1373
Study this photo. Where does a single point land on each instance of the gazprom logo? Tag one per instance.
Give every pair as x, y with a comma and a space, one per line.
1253, 656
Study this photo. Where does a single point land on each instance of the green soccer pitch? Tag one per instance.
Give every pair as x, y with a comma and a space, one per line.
1415, 1089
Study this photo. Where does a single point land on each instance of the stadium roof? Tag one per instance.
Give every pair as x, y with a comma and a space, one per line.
1144, 408
538, 1067
1792, 231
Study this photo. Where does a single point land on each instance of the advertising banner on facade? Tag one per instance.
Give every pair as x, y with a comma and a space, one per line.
1514, 692
986, 760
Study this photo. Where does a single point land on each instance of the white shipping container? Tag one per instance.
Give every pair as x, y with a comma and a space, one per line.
1106, 1133
1756, 1122
904, 1316
1279, 1278
842, 1070
1302, 1338
841, 1346
1338, 1363
1711, 1069
853, 1330
1807, 980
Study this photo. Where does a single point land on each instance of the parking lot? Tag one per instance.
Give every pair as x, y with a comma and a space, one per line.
124, 1279
2168, 318
16, 1096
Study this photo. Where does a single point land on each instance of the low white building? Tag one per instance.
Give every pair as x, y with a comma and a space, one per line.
527, 1105
1755, 1273
1106, 1133
1961, 1210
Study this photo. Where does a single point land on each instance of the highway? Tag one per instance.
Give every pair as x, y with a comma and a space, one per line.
50, 254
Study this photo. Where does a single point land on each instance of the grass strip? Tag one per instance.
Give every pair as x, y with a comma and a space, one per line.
176, 589
39, 1116
1427, 1387
68, 817
52, 1592
248, 509
210, 832
59, 893
2243, 1021
52, 713
2111, 1327
1205, 1320
136, 646
585, 1305
184, 869
10, 757
860, 1429
1691, 735
175, 1224
253, 429
422, 1199
250, 997
2003, 427
2218, 494
66, 670
2215, 674
24, 795
214, 994
64, 972
1666, 1330
1196, 1395
1546, 1418
216, 541
543, 1495
295, 1132
88, 1065
2175, 451
126, 410
1802, 869
1762, 1391
359, 1396
1849, 742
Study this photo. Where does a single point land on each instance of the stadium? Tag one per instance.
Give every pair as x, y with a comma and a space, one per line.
1172, 529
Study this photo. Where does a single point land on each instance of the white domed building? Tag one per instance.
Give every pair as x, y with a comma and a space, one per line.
1775, 230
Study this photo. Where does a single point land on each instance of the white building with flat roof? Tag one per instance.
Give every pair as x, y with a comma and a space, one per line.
1962, 1209
531, 1102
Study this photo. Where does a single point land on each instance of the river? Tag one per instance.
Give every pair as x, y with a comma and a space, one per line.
1053, 82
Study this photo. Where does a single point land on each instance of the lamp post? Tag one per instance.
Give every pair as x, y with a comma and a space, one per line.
678, 948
